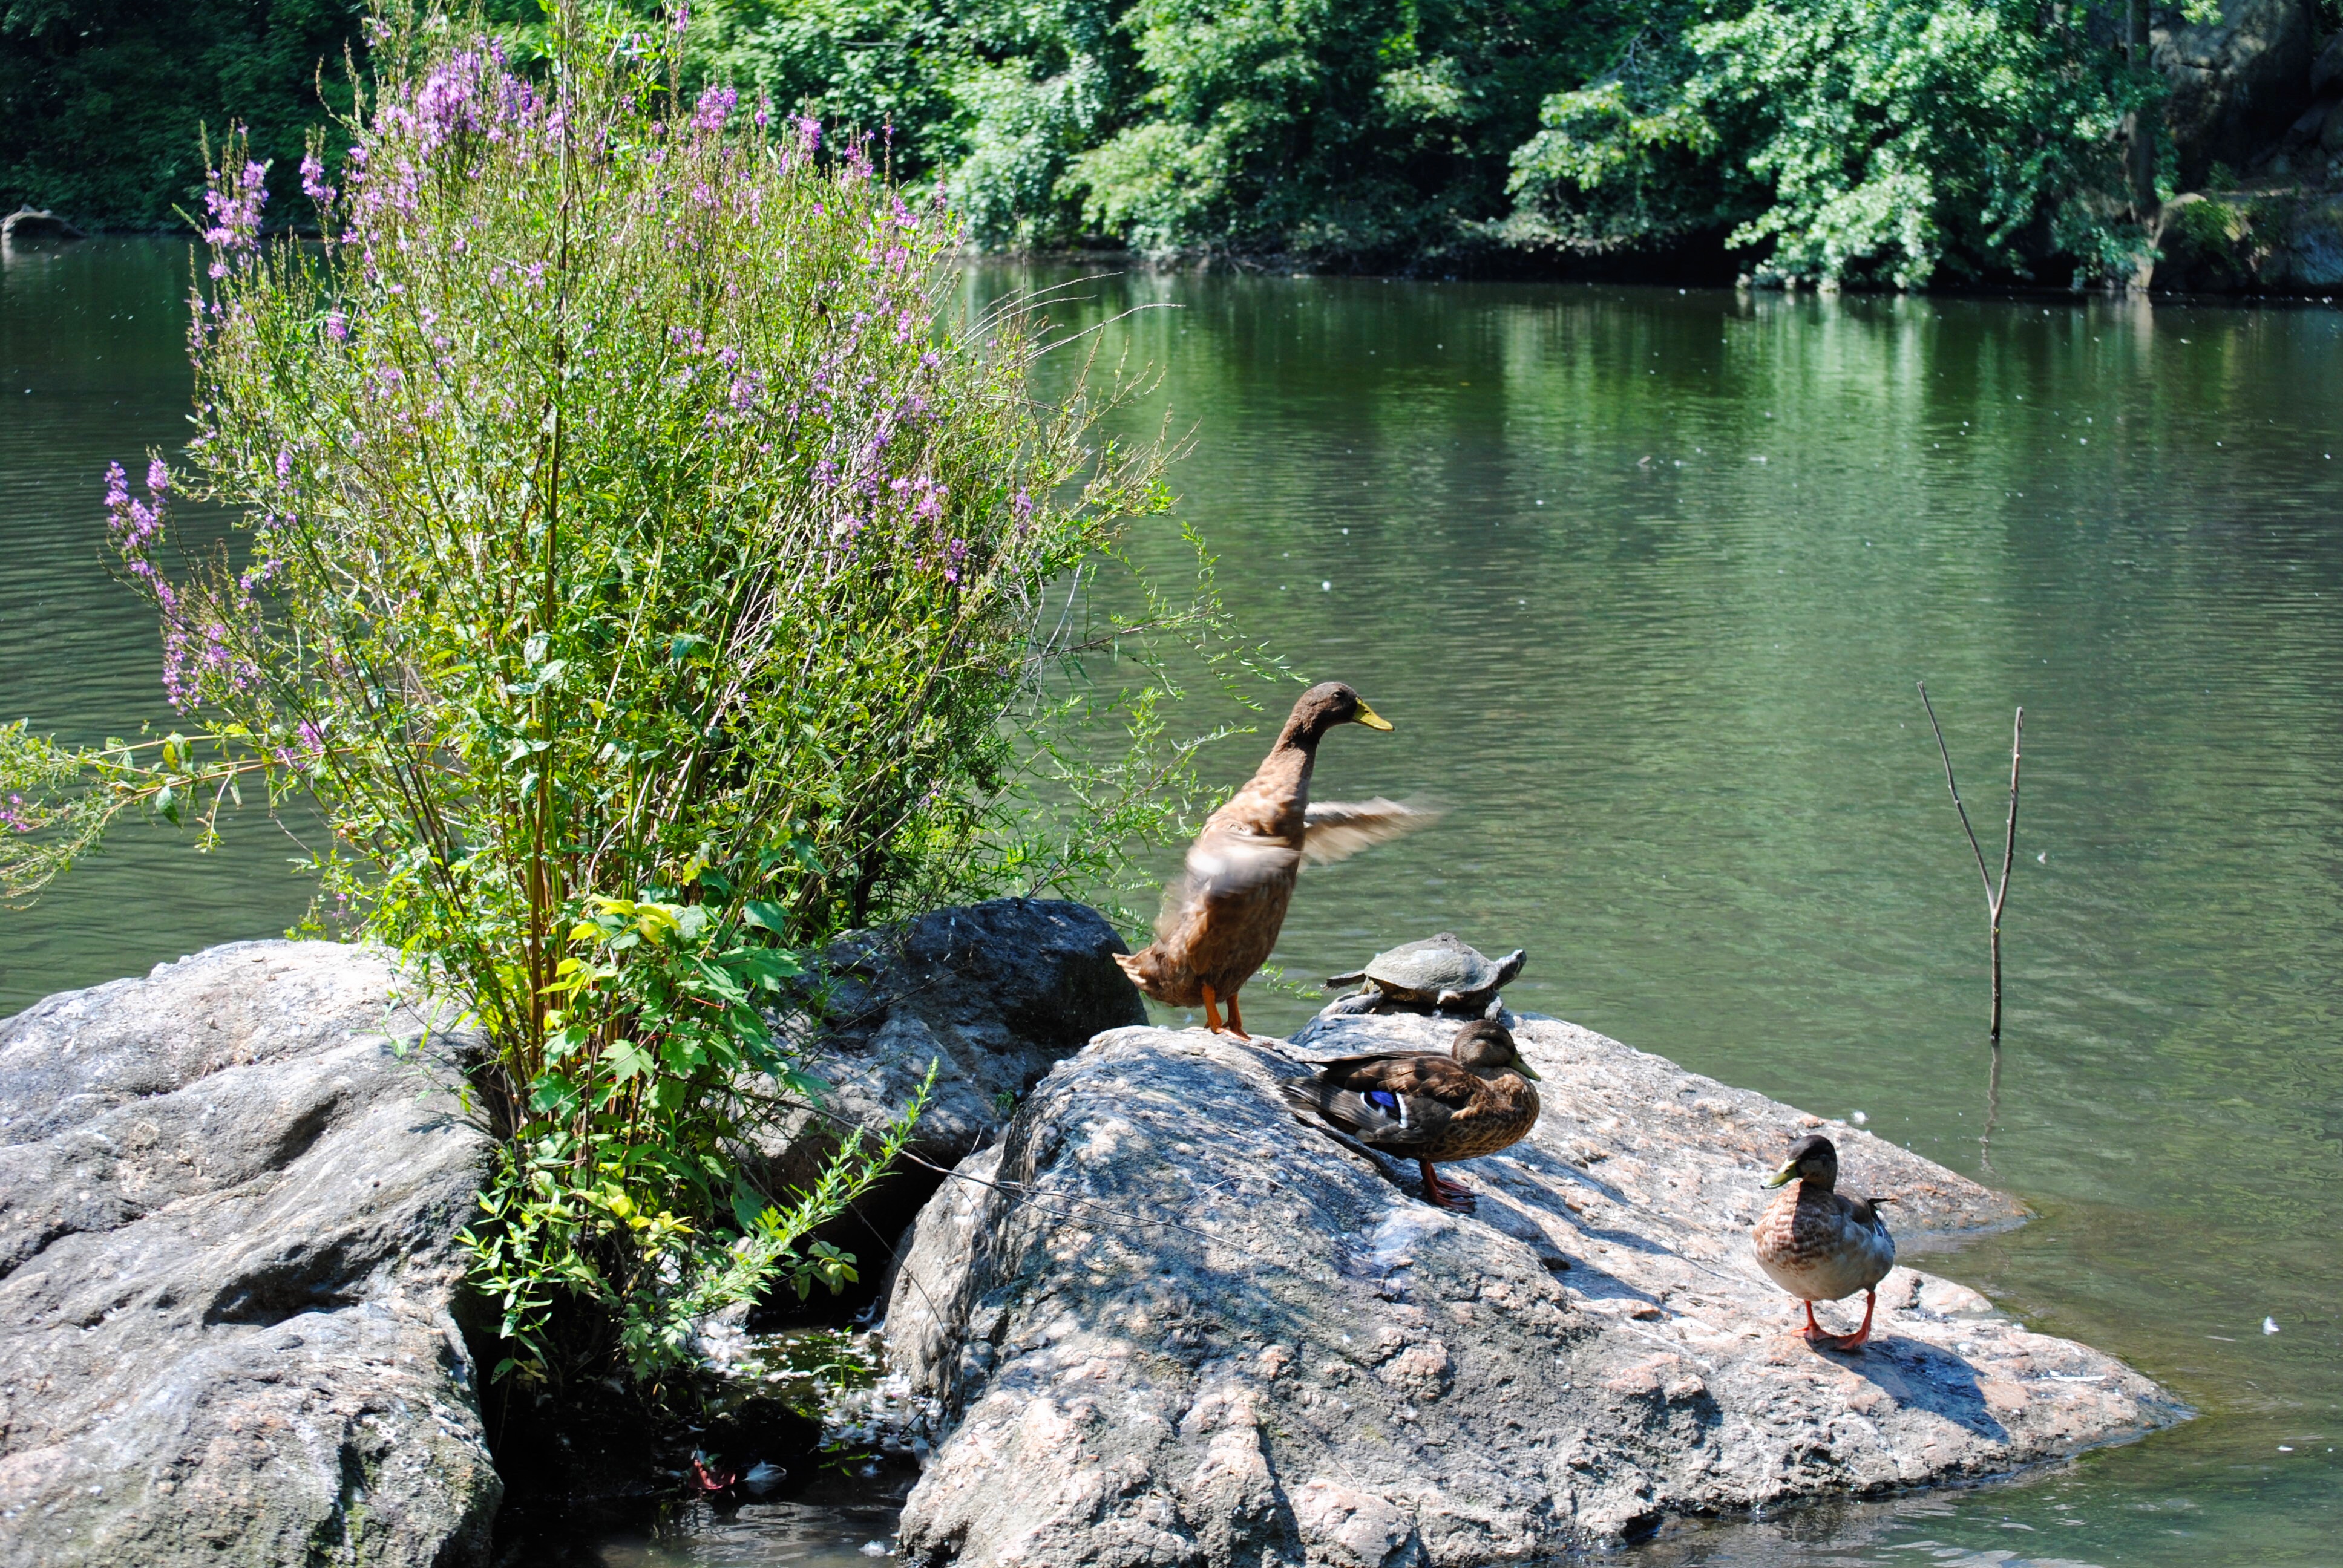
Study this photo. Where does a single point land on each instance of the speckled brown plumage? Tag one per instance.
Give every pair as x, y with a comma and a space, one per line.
1819, 1244
1473, 1101
1222, 917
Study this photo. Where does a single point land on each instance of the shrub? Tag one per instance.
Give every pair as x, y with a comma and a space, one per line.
649, 580
1871, 140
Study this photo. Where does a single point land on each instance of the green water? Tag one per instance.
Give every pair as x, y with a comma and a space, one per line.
1645, 580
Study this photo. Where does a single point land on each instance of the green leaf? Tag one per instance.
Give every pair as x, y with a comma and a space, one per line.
625, 1059
748, 1206
765, 916
766, 968
553, 1095
799, 1082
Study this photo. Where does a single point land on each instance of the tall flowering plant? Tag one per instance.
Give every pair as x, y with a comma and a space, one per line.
650, 578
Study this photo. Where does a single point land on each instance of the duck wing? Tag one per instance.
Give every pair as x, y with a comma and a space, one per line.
1391, 1099
1336, 829
1226, 865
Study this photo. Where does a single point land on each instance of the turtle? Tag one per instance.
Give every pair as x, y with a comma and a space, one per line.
1438, 974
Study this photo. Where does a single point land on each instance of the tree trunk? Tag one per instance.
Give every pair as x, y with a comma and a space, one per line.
2139, 126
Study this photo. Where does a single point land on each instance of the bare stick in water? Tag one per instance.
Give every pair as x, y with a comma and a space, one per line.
1995, 898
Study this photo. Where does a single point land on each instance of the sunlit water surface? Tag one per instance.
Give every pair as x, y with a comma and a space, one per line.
1644, 579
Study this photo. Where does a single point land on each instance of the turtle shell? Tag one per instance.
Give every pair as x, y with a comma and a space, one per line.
1424, 971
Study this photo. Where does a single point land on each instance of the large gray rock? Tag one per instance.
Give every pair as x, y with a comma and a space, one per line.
994, 994
2281, 241
1169, 1325
2236, 83
226, 1266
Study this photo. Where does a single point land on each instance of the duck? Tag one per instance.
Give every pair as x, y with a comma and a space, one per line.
1821, 1245
1223, 914
1428, 1107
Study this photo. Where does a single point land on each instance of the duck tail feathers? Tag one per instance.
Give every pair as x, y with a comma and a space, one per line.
1148, 972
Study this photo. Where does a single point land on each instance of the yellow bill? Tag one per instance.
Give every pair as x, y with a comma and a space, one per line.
1372, 719
1784, 1176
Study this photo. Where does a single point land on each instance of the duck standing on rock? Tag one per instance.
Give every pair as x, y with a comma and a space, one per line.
1473, 1101
1819, 1244
1222, 917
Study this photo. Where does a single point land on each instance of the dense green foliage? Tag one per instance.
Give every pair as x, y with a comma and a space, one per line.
649, 580
102, 101
1861, 139
1857, 139
1866, 140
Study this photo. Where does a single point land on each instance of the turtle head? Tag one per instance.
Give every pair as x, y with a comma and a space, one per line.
1813, 1161
1485, 1049
1328, 704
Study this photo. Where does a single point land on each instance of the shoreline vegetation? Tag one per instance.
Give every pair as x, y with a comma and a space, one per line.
650, 578
1791, 143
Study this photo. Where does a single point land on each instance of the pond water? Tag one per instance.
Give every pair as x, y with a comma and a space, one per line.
1644, 579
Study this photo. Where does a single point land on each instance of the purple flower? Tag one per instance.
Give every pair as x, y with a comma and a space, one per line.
445, 105
338, 327
715, 103
312, 745
233, 200
312, 181
158, 480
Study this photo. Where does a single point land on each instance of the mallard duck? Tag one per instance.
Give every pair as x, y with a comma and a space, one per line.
1222, 917
1473, 1101
1819, 1244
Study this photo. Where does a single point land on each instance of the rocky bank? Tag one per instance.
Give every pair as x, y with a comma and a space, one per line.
229, 1194
1166, 1324
994, 994
226, 1270
1153, 1319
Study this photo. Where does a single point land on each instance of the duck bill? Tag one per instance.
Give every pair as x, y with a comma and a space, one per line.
1784, 1176
1371, 719
1527, 1072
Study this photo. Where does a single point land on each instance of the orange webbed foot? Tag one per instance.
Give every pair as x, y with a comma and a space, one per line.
1443, 1194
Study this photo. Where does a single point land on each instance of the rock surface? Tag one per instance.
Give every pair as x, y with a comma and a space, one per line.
2284, 239
1169, 1325
995, 994
27, 222
2236, 83
226, 1266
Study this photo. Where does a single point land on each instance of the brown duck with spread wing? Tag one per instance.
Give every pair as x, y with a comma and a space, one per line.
1222, 917
1818, 1243
1473, 1101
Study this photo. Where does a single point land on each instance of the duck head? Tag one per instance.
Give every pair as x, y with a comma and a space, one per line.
1324, 707
1486, 1050
1813, 1161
